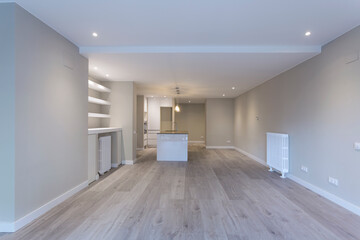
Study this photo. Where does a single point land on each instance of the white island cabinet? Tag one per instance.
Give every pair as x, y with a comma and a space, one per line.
172, 146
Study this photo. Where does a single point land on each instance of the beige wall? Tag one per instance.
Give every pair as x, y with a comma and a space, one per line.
7, 119
140, 121
191, 118
122, 109
50, 114
317, 104
219, 122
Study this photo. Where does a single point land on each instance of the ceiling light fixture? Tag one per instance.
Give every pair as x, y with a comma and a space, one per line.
177, 108
95, 34
189, 101
164, 96
95, 68
307, 34
223, 94
107, 75
233, 88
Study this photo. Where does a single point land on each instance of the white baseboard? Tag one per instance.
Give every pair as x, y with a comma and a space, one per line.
253, 157
333, 198
127, 162
14, 226
115, 165
200, 142
219, 147
7, 227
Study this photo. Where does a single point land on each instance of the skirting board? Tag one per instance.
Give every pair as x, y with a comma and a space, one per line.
253, 157
128, 162
7, 227
115, 165
331, 197
14, 226
219, 147
200, 142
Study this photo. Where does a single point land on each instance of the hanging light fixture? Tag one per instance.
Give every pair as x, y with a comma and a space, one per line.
177, 108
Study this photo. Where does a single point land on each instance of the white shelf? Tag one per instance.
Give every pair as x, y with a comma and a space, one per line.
98, 101
97, 87
98, 115
103, 130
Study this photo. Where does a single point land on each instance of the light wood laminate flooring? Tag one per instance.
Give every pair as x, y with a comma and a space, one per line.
217, 194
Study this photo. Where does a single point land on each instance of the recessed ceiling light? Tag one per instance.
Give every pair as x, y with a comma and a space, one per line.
107, 75
94, 34
152, 96
223, 94
164, 96
307, 34
233, 88
95, 68
189, 101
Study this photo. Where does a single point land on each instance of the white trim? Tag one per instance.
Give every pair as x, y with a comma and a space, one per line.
115, 165
219, 147
197, 142
253, 157
14, 226
7, 227
128, 162
201, 49
333, 198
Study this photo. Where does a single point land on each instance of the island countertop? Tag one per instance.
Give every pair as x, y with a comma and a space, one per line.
173, 132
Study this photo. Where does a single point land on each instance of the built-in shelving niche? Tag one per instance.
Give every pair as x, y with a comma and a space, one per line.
100, 88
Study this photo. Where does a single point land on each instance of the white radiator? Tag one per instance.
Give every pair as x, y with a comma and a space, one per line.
105, 154
277, 152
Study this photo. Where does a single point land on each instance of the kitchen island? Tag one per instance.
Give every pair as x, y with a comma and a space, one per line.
172, 146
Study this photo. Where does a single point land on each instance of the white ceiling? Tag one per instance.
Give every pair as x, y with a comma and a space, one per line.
205, 46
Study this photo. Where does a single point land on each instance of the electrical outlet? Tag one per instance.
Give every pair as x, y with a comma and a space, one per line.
334, 181
304, 169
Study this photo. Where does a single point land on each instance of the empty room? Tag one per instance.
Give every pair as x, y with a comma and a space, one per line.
179, 119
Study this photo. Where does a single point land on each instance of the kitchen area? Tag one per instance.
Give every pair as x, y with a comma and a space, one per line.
170, 124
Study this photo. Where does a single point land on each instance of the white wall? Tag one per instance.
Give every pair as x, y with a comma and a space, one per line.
317, 104
154, 105
219, 122
7, 119
50, 114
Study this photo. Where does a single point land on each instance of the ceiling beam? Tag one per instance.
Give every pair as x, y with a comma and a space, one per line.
199, 49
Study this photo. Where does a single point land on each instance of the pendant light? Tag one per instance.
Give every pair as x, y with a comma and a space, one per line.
177, 108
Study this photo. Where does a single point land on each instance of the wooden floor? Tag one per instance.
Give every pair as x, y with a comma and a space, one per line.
218, 194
